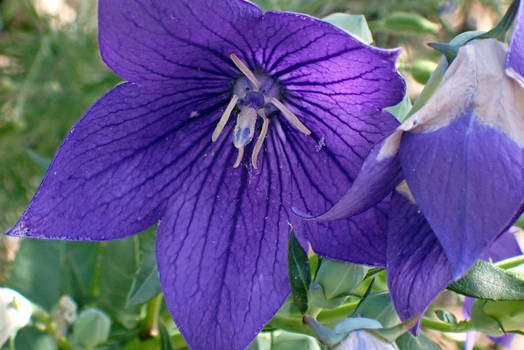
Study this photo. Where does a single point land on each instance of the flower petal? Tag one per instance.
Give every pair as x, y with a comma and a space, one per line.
515, 58
151, 41
221, 251
379, 175
505, 247
317, 62
121, 158
319, 175
463, 155
335, 84
417, 268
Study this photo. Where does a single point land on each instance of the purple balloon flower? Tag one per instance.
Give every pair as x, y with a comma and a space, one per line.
454, 171
230, 116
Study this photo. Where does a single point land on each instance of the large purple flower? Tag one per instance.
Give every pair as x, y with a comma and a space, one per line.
454, 171
230, 116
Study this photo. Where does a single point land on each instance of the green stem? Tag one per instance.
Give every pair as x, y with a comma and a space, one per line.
461, 327
338, 313
291, 324
294, 323
150, 323
511, 262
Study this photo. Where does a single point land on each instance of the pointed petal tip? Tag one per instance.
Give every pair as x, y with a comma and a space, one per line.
302, 214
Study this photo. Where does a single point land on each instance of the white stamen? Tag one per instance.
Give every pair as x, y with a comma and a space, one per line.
290, 116
245, 70
239, 157
224, 118
261, 138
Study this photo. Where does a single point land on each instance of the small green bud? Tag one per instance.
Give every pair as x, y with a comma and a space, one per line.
409, 23
91, 329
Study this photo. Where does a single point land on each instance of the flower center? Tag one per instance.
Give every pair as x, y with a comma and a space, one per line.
256, 96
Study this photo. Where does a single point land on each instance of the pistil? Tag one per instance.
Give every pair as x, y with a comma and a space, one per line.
253, 100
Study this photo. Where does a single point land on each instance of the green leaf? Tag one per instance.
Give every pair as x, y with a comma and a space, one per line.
507, 315
353, 24
42, 162
44, 270
146, 284
379, 307
31, 338
421, 342
36, 273
408, 23
318, 298
299, 273
293, 341
339, 278
119, 263
486, 281
165, 339
78, 260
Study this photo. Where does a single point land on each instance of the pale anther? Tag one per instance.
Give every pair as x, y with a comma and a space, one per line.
245, 70
224, 118
239, 157
261, 138
290, 116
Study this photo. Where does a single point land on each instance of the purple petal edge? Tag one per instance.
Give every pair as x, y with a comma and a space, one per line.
379, 175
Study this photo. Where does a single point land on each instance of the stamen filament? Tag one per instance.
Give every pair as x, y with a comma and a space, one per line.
260, 140
224, 118
290, 116
245, 70
239, 157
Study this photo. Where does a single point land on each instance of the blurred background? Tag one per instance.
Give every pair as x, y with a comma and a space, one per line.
51, 72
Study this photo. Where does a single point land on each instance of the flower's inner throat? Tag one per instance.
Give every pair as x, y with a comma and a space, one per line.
255, 96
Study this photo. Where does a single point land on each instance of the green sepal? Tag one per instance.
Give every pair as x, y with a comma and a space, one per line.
486, 281
391, 334
299, 273
449, 51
